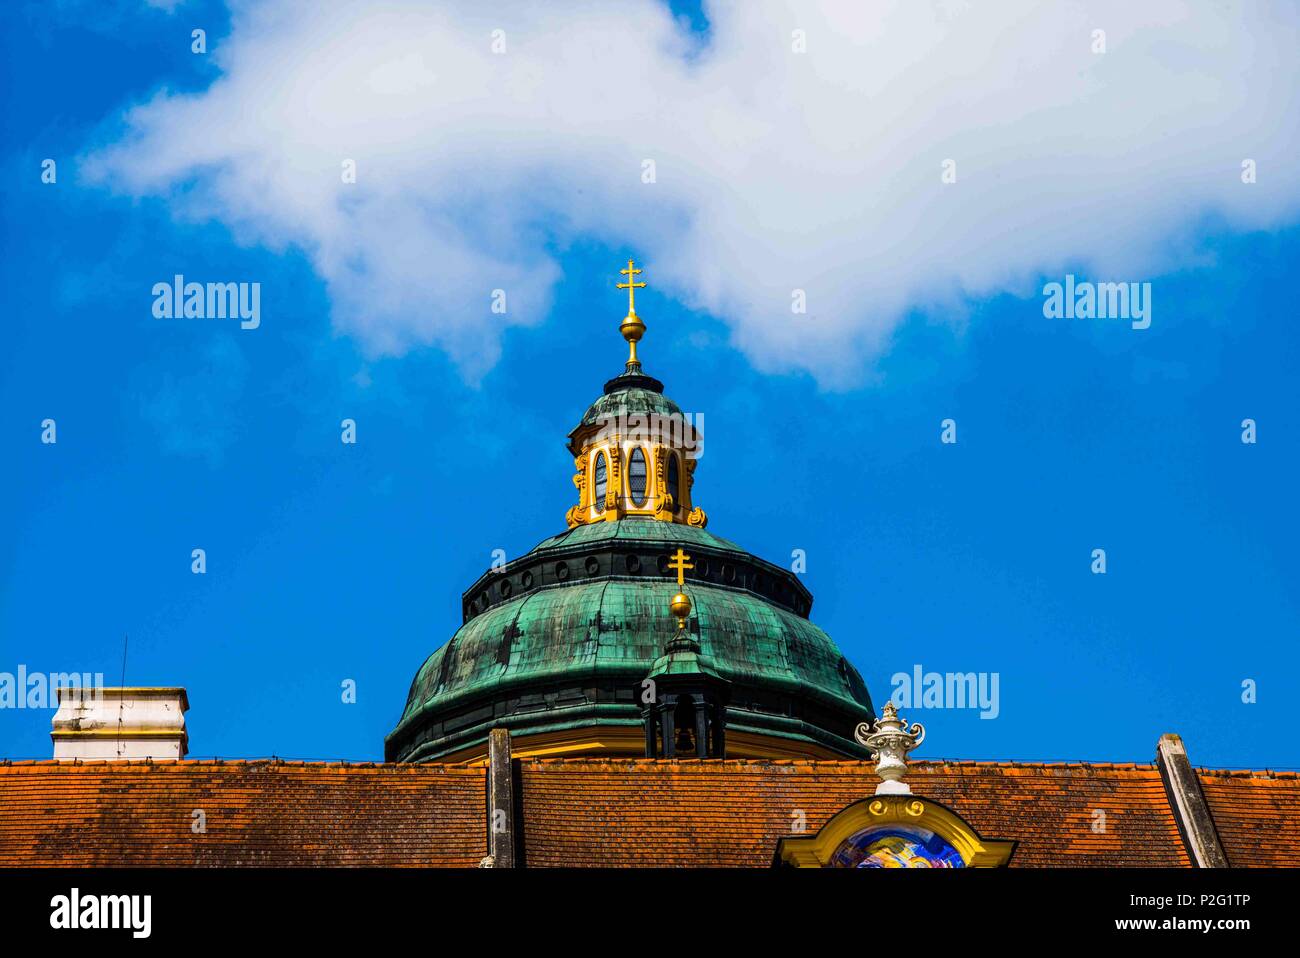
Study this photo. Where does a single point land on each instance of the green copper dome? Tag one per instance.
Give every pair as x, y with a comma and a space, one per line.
562, 637
632, 401
567, 646
627, 396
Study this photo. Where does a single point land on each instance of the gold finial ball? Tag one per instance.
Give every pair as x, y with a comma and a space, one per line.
632, 328
681, 605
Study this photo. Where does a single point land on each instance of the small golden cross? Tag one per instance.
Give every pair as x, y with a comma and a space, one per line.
631, 286
680, 564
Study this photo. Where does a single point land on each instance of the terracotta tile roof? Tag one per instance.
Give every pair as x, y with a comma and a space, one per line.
1257, 815
258, 813
635, 812
602, 812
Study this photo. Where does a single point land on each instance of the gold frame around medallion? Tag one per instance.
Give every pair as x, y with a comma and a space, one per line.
881, 811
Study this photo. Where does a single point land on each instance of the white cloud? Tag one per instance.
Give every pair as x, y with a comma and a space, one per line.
776, 170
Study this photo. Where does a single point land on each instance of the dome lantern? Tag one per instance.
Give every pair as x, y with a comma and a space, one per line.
635, 451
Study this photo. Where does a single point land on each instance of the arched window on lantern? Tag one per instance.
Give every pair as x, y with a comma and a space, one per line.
672, 479
598, 483
636, 476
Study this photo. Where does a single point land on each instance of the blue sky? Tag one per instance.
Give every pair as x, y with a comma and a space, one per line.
329, 562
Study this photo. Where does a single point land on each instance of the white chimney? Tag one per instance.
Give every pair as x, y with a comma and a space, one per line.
121, 723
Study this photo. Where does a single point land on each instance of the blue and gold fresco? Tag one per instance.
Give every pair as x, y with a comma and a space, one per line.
896, 848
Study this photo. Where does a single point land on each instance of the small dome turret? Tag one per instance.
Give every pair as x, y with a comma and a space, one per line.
635, 451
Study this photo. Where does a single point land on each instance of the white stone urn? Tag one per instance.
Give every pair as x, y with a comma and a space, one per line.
891, 740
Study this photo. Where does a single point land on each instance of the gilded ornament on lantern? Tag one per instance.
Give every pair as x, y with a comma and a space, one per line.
614, 485
665, 504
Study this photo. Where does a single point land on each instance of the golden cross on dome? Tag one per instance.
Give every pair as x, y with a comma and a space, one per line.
631, 286
679, 564
632, 328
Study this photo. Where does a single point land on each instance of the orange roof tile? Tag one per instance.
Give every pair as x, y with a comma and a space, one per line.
268, 813
601, 812
1257, 816
710, 813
